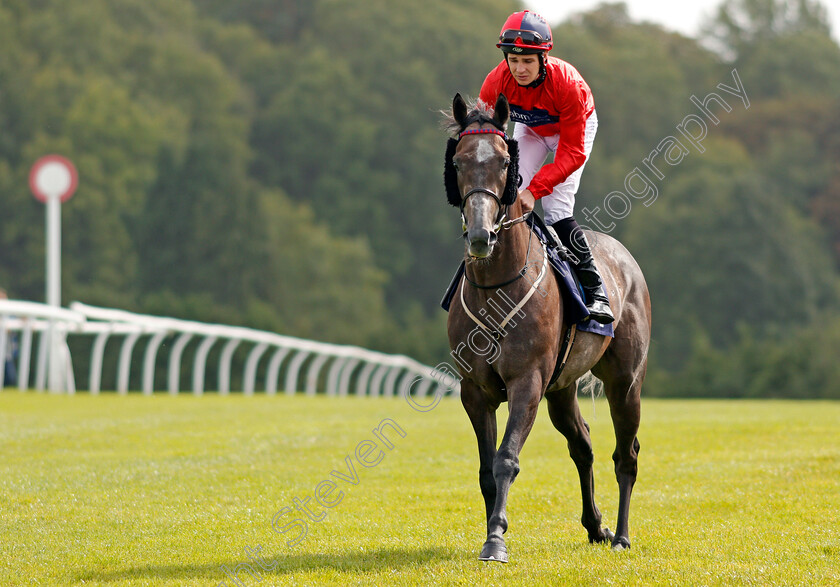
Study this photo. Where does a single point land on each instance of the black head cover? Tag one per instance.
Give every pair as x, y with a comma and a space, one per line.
499, 120
512, 185
450, 176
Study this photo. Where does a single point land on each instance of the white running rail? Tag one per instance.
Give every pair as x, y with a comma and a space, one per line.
276, 362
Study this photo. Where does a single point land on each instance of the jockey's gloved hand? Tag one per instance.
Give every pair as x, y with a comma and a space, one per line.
527, 200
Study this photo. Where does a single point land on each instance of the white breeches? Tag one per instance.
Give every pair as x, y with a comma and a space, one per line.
533, 150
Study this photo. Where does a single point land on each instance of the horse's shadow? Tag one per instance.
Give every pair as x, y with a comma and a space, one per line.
220, 572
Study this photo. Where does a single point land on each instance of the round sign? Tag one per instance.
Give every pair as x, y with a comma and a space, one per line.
53, 176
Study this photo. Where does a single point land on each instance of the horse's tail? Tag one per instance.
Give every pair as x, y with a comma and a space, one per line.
591, 386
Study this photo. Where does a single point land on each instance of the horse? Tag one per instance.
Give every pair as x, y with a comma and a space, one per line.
514, 359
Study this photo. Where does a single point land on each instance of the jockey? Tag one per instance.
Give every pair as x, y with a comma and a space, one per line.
553, 112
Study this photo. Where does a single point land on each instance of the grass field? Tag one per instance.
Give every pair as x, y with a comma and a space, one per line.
166, 490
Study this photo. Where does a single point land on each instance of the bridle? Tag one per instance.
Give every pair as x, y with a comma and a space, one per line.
500, 223
500, 217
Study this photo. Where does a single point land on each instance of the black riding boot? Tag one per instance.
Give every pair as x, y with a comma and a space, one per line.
573, 239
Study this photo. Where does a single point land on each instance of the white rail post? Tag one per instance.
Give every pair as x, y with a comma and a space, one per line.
294, 370
332, 378
364, 379
175, 362
313, 373
273, 372
402, 387
391, 381
250, 378
69, 374
149, 359
376, 383
200, 364
25, 355
96, 357
124, 366
344, 380
224, 365
41, 368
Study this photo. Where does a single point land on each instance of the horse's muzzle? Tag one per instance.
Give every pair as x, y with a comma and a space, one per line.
480, 242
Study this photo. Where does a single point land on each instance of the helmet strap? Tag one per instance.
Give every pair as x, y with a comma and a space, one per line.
543, 71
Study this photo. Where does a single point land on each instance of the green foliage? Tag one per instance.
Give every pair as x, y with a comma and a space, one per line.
799, 363
278, 164
637, 104
741, 26
722, 246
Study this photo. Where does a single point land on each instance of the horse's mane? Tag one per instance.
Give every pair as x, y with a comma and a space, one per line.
478, 112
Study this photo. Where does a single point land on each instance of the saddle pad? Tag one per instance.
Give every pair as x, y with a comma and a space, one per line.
573, 305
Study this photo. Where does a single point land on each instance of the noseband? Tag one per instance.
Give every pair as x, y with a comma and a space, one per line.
497, 225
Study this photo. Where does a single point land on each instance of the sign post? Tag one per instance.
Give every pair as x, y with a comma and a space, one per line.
53, 180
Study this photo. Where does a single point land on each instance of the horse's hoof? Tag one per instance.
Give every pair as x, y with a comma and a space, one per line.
493, 552
604, 535
620, 544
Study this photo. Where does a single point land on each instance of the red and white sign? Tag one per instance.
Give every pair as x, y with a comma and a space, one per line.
53, 176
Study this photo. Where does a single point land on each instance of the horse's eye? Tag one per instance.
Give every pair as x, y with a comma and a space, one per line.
456, 166
507, 163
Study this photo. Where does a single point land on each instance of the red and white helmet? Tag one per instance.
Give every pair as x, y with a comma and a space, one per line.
525, 33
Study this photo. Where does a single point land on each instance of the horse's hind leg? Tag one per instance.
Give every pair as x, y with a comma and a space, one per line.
565, 415
625, 409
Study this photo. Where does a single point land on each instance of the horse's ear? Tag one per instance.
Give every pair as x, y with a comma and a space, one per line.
459, 110
501, 113
513, 179
450, 175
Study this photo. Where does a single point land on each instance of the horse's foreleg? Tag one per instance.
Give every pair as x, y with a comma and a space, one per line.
565, 415
523, 401
483, 418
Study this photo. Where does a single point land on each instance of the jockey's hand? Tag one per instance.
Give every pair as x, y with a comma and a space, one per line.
527, 199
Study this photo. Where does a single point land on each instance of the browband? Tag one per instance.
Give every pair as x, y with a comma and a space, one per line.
483, 131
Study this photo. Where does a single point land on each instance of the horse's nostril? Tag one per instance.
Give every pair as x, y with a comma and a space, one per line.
480, 235
481, 242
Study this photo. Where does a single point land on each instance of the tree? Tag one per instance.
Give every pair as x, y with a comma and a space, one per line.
721, 247
740, 26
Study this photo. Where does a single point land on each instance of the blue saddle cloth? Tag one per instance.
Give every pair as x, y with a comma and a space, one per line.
573, 304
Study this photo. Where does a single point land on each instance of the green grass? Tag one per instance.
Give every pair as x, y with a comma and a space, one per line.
165, 490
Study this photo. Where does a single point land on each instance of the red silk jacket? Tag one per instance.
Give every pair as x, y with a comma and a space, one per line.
560, 106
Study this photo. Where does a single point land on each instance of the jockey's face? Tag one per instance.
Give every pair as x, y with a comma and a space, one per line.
524, 68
